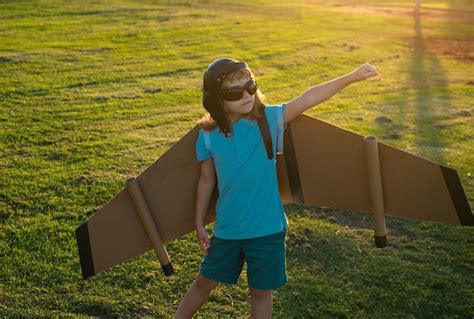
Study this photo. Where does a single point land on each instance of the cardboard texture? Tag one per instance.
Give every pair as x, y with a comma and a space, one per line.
149, 225
322, 165
375, 186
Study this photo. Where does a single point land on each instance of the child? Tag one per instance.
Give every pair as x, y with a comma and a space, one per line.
250, 220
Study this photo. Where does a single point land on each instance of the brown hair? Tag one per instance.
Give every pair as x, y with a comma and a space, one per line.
208, 123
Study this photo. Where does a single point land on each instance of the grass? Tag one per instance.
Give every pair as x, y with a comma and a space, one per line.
94, 92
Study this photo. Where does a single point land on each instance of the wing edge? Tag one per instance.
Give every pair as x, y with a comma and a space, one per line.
458, 197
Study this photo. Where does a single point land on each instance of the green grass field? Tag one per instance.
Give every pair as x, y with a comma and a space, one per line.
94, 92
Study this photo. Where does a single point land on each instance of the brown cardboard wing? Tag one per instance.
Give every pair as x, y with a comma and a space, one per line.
322, 165
115, 233
325, 165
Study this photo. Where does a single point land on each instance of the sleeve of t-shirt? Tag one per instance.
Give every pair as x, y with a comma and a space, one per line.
202, 152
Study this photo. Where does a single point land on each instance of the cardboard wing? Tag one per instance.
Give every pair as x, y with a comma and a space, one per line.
325, 165
322, 165
116, 233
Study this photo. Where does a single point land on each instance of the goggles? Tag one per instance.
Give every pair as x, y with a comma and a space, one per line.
235, 94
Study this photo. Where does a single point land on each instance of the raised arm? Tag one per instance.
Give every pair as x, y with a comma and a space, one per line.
320, 93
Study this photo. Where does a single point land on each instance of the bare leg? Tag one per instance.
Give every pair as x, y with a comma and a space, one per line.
195, 297
261, 301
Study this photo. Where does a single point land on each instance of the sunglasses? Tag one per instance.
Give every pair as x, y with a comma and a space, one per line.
235, 94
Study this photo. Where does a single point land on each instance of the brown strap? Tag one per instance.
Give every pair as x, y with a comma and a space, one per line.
292, 167
265, 131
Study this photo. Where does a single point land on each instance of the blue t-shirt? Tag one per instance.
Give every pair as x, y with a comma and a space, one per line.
249, 203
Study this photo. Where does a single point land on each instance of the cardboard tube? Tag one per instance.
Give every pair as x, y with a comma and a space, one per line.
149, 225
376, 191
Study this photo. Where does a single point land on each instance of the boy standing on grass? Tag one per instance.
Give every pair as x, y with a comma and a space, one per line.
250, 219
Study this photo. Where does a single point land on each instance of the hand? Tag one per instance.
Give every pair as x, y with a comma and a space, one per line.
203, 238
364, 72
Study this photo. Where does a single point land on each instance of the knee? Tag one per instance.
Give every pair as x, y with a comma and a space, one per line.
260, 294
205, 284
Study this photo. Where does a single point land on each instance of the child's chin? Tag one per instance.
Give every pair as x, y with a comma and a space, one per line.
248, 108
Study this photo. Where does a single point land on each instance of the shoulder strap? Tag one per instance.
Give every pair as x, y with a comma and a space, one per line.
265, 131
280, 131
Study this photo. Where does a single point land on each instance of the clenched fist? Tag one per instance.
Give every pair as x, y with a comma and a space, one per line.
364, 72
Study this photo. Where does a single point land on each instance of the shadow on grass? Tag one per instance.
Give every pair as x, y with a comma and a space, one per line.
361, 220
427, 78
335, 271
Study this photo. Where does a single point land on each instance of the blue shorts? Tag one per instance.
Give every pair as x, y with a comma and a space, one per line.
265, 257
